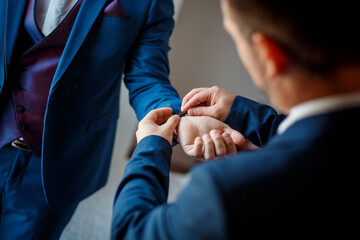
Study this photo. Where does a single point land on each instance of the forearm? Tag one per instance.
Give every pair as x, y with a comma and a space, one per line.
147, 66
143, 188
140, 208
257, 122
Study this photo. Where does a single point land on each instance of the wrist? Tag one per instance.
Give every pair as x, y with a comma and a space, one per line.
175, 140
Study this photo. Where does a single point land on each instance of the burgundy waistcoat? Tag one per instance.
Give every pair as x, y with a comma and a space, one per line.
23, 115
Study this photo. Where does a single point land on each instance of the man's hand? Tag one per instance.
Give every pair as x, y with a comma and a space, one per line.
214, 102
159, 122
206, 137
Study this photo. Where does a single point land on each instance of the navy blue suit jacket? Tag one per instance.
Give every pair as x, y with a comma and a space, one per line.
301, 183
83, 104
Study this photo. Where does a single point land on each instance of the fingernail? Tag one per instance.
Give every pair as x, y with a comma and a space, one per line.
198, 139
206, 136
214, 132
192, 112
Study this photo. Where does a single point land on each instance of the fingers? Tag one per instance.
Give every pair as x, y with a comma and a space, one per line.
198, 147
159, 122
193, 105
194, 98
200, 111
209, 151
159, 116
237, 137
190, 95
214, 145
171, 123
229, 143
220, 148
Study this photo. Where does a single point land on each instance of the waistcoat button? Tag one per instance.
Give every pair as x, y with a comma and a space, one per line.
25, 127
20, 109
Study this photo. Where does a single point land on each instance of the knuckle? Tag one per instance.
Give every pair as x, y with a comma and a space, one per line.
229, 142
217, 138
221, 152
193, 90
216, 88
207, 141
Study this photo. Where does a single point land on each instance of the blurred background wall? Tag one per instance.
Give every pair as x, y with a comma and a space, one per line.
202, 55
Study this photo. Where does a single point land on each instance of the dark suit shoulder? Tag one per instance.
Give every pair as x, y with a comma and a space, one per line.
303, 179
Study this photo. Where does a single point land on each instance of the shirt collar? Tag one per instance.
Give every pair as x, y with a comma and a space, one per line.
319, 106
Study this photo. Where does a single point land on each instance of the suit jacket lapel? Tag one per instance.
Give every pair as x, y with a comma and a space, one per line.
14, 17
87, 15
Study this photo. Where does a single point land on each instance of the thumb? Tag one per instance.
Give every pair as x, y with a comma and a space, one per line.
237, 137
172, 123
200, 111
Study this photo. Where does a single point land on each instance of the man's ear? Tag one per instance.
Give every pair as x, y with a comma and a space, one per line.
270, 55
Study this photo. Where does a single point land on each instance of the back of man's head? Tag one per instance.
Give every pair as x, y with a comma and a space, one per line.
317, 36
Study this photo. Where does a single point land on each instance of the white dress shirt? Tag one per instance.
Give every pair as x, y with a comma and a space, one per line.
319, 106
50, 13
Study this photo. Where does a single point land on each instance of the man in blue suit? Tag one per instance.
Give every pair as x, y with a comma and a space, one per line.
61, 67
302, 182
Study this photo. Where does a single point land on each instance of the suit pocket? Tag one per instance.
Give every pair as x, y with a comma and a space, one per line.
104, 121
115, 9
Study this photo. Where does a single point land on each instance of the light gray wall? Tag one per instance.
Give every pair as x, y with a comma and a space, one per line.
178, 6
204, 55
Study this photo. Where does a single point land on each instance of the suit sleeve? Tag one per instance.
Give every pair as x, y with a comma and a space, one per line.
140, 207
257, 122
147, 66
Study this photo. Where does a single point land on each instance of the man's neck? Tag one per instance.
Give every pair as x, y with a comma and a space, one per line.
299, 87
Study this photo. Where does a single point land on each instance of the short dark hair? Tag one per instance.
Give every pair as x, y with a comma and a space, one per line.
317, 35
